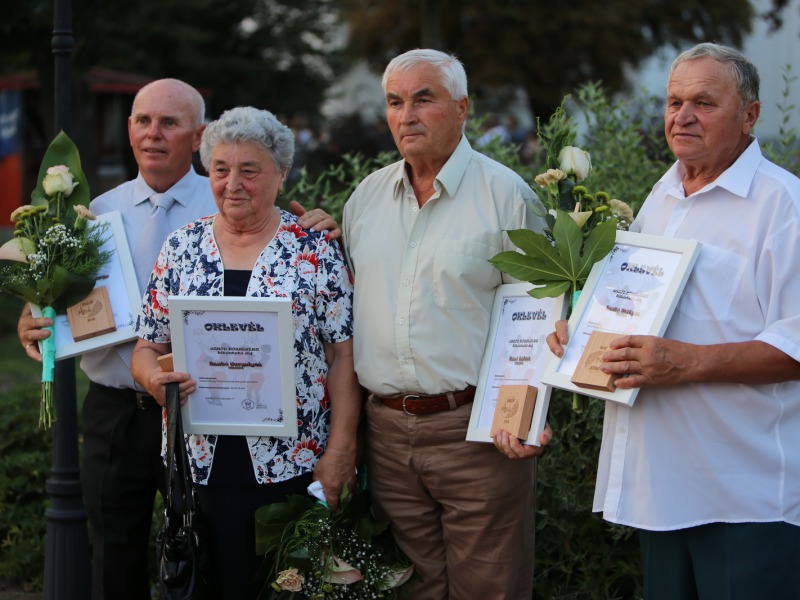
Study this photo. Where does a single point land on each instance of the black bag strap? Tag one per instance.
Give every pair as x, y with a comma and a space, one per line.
177, 459
173, 412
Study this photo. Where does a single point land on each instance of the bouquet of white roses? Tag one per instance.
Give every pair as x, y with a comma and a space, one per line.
581, 227
313, 553
54, 256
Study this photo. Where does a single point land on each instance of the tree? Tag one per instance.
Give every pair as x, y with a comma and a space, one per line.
275, 54
546, 48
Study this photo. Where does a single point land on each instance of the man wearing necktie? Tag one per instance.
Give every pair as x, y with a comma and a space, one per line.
121, 467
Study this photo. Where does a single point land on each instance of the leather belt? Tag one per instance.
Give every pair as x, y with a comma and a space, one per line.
142, 400
421, 404
146, 402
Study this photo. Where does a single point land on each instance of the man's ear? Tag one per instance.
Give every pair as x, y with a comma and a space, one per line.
750, 113
198, 136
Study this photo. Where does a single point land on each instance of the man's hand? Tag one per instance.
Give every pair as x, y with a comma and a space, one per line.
316, 219
649, 360
558, 339
333, 470
513, 448
30, 331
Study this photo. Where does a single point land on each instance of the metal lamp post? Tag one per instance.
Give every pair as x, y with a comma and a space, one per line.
66, 564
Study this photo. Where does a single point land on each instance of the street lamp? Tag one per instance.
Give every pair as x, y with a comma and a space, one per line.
66, 562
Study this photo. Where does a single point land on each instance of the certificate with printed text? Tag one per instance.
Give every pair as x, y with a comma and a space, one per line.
633, 291
515, 354
240, 353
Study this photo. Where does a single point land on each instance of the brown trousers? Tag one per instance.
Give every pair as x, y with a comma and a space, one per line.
461, 511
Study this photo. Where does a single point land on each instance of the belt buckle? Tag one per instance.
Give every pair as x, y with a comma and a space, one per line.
140, 400
409, 397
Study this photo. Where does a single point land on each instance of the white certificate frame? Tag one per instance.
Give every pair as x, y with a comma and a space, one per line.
269, 324
486, 391
119, 277
681, 253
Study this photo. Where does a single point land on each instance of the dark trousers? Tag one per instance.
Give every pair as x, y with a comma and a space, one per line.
230, 514
121, 472
722, 561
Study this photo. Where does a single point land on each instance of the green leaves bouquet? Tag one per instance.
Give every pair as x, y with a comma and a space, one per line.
580, 226
54, 256
314, 553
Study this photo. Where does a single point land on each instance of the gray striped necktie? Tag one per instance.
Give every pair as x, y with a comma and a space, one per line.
154, 234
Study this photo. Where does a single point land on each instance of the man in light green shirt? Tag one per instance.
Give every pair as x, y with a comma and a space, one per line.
418, 235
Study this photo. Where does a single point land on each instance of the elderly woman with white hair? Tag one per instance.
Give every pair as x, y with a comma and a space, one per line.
251, 248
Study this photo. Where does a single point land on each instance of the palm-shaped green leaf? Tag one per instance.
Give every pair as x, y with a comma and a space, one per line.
561, 266
598, 244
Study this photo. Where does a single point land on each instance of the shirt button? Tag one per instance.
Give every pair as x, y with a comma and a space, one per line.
415, 209
402, 321
405, 282
413, 244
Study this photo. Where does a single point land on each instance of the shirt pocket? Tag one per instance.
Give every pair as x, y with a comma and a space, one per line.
463, 278
712, 286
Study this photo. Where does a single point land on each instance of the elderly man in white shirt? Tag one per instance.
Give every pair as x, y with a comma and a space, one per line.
707, 462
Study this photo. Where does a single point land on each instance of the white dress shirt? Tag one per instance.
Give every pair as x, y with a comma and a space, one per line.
701, 453
424, 286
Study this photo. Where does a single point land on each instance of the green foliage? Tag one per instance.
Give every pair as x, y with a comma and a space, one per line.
626, 141
786, 150
578, 555
25, 454
330, 189
559, 267
278, 54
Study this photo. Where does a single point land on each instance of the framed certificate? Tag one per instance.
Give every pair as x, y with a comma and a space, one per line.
240, 351
121, 292
634, 290
515, 354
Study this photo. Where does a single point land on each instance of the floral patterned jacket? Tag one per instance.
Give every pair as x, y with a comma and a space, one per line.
299, 264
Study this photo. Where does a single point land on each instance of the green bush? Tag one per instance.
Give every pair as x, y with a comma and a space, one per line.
25, 456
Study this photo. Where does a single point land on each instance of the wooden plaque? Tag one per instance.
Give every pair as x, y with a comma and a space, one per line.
588, 373
165, 362
514, 410
91, 316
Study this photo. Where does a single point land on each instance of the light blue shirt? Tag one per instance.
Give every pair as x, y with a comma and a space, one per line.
193, 199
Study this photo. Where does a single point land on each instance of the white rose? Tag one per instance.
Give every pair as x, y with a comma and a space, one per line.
575, 161
58, 179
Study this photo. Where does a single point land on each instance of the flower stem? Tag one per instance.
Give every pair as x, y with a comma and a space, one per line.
48, 371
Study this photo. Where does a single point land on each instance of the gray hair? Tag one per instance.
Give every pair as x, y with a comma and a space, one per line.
197, 105
245, 124
744, 72
454, 78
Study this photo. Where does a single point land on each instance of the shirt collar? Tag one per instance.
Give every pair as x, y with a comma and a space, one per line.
182, 191
736, 179
449, 176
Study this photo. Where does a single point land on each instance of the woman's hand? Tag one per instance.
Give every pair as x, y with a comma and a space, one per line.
148, 372
333, 470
